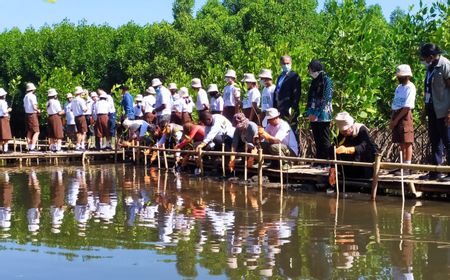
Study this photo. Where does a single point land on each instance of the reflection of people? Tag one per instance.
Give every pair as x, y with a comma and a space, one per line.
402, 256
57, 206
34, 203
354, 144
5, 128
6, 191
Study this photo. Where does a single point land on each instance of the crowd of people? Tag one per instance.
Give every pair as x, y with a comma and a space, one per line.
266, 119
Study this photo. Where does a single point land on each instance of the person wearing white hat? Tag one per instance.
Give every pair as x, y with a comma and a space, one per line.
5, 127
79, 108
231, 96
54, 122
202, 102
402, 119
57, 203
30, 105
148, 102
6, 199
354, 144
163, 105
173, 88
138, 108
278, 135
267, 93
88, 115
33, 202
176, 106
216, 101
250, 103
111, 117
187, 105
102, 126
71, 128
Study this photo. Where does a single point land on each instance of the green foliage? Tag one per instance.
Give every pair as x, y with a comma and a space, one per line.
359, 47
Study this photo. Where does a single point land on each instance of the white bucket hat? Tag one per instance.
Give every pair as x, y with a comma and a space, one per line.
151, 90
139, 97
156, 82
78, 90
266, 74
69, 95
230, 74
30, 87
271, 113
94, 94
173, 86
52, 92
403, 70
196, 83
344, 121
212, 88
103, 94
249, 78
2, 92
183, 92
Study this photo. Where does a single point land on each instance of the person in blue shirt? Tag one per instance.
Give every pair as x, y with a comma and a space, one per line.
127, 103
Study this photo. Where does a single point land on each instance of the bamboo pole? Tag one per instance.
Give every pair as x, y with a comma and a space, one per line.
245, 163
166, 165
336, 171
260, 168
223, 160
159, 160
200, 152
401, 178
14, 144
376, 169
281, 165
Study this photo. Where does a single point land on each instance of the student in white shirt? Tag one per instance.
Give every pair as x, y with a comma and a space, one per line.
138, 108
78, 109
31, 119
148, 102
187, 105
71, 128
267, 94
111, 117
163, 105
202, 102
102, 129
250, 104
216, 101
54, 122
5, 128
231, 96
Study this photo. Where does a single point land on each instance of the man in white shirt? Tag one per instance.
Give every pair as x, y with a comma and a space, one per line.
111, 117
250, 104
163, 103
231, 96
78, 109
70, 119
202, 103
31, 119
278, 135
218, 130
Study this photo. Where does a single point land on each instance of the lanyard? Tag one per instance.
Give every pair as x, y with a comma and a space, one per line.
428, 80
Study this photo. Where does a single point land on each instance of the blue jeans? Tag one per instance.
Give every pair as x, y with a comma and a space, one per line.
112, 124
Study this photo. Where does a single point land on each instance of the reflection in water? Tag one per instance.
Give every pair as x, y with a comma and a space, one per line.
221, 228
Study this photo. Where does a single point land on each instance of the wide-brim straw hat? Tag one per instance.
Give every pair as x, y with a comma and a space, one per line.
230, 74
344, 121
403, 70
183, 92
150, 90
139, 97
52, 92
249, 78
173, 86
30, 87
196, 83
212, 88
78, 90
265, 74
3, 92
156, 82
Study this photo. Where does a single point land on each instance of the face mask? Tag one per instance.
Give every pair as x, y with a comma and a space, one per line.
261, 82
286, 67
314, 74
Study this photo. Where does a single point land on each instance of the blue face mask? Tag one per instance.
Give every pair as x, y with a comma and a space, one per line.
286, 67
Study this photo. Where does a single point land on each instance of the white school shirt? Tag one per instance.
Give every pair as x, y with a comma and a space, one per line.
149, 103
216, 104
89, 103
29, 100
175, 98
202, 99
230, 95
53, 107
112, 106
188, 107
220, 125
70, 118
138, 110
405, 96
177, 105
284, 133
101, 107
78, 106
3, 108
163, 96
267, 98
253, 95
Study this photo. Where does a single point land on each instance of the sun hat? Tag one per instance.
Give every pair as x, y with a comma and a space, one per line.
139, 97
52, 92
30, 87
212, 88
183, 92
249, 78
156, 82
403, 70
230, 74
344, 121
150, 90
173, 86
2, 92
93, 94
196, 83
266, 74
272, 113
69, 95
103, 94
78, 90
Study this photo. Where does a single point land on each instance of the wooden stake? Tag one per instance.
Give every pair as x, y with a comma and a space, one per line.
376, 169
223, 160
281, 165
200, 152
14, 144
245, 163
166, 165
336, 171
401, 177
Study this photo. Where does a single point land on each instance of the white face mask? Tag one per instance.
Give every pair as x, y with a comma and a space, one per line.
314, 74
286, 67
261, 82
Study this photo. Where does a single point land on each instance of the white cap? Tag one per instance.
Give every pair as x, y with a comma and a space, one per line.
94, 94
138, 97
156, 82
212, 88
272, 113
151, 90
69, 95
230, 74
249, 78
183, 92
52, 92
2, 92
266, 74
196, 83
344, 121
403, 70
30, 87
173, 86
78, 90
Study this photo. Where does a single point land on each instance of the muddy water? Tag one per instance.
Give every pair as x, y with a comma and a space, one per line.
120, 222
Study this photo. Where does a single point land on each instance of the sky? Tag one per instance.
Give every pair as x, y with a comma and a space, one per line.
36, 13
